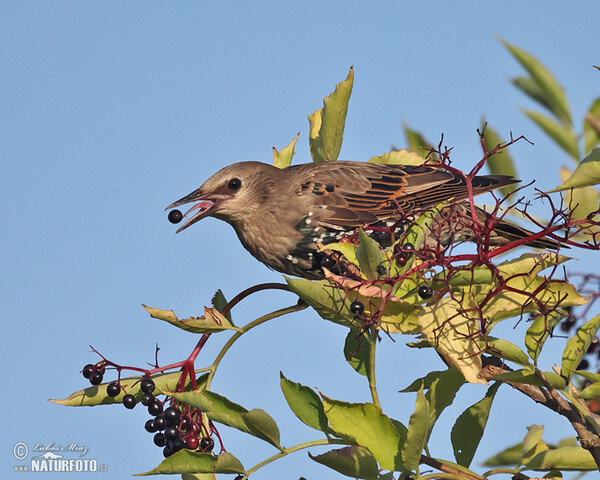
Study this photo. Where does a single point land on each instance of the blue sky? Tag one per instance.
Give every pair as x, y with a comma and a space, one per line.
112, 110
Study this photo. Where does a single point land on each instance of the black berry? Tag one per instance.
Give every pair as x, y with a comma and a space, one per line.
96, 378
327, 262
239, 477
159, 439
87, 370
357, 308
425, 292
408, 248
401, 260
171, 433
167, 451
381, 270
172, 415
113, 389
160, 423
175, 216
207, 444
147, 385
147, 399
150, 427
129, 401
177, 444
155, 408
185, 424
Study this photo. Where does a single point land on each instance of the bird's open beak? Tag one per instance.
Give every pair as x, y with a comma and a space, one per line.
207, 204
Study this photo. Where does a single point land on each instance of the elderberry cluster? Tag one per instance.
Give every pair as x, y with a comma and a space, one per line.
174, 428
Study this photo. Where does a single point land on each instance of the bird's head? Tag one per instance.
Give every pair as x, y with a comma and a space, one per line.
233, 194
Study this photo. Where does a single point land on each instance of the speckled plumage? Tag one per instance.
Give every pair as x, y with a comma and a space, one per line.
280, 215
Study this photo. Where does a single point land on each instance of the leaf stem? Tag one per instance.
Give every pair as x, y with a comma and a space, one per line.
372, 339
295, 448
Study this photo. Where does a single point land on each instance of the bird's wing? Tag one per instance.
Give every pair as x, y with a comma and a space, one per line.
353, 193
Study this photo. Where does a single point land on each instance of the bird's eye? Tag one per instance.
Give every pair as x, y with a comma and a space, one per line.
234, 184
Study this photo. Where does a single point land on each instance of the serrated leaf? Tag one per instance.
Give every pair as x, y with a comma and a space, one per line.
369, 255
578, 345
357, 350
327, 124
352, 461
425, 381
220, 409
417, 143
96, 395
563, 136
305, 404
500, 163
418, 432
529, 378
450, 327
366, 425
508, 351
539, 331
399, 157
591, 391
532, 443
581, 201
591, 127
211, 322
469, 427
565, 458
586, 174
220, 302
186, 461
283, 159
552, 92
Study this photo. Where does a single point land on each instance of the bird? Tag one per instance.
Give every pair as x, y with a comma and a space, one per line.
284, 216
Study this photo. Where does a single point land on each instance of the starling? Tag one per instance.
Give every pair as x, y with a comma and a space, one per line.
281, 216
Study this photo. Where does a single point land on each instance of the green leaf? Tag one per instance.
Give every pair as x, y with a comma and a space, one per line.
186, 461
347, 249
565, 458
96, 395
586, 174
198, 476
532, 89
352, 461
327, 301
529, 378
211, 322
591, 127
442, 391
532, 443
508, 456
504, 349
418, 432
399, 157
564, 136
425, 382
500, 163
369, 255
305, 404
578, 345
539, 331
469, 427
581, 201
220, 302
418, 144
552, 92
591, 376
366, 425
222, 410
357, 350
283, 159
327, 125
591, 391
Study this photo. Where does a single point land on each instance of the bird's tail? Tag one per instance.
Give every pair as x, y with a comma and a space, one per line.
505, 232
